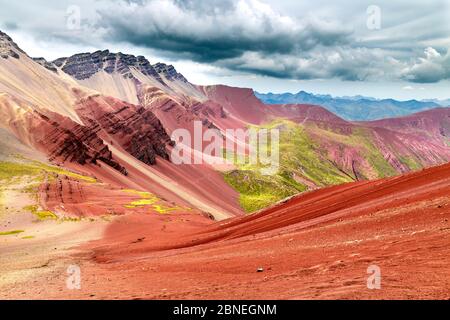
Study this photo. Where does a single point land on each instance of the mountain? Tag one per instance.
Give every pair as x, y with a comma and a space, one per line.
443, 103
356, 108
432, 123
82, 129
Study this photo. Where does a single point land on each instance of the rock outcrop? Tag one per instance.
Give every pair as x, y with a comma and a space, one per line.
65, 140
134, 128
169, 72
85, 65
8, 48
48, 65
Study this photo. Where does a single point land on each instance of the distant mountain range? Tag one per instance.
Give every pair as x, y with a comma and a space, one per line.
443, 103
356, 108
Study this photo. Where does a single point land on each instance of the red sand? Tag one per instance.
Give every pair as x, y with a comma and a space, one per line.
314, 246
69, 197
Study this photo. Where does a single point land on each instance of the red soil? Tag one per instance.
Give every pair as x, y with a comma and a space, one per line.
434, 123
317, 245
73, 198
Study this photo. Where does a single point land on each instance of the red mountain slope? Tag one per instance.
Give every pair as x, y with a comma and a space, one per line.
432, 123
318, 245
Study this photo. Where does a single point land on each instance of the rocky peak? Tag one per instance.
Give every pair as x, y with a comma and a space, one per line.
169, 72
8, 48
84, 65
48, 65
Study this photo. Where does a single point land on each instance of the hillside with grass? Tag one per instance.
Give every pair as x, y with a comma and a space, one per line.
315, 155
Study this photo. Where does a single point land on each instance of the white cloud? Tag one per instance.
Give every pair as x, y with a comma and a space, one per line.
432, 67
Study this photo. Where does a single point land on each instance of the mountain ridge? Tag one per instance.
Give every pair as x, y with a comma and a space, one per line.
357, 108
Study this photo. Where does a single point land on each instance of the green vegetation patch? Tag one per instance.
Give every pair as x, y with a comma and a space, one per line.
302, 156
146, 199
361, 139
35, 173
41, 214
300, 164
12, 170
12, 232
411, 162
149, 199
305, 161
447, 141
258, 191
166, 209
373, 154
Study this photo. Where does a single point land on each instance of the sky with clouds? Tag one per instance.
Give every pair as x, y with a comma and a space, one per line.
382, 48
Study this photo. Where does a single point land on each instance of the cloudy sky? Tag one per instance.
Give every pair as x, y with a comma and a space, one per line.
380, 48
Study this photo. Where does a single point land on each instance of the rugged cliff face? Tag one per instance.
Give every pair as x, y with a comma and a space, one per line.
169, 72
48, 65
77, 125
8, 48
59, 137
84, 65
65, 140
134, 128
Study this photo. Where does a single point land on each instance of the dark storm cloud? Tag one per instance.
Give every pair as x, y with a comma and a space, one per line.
338, 62
209, 31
